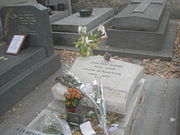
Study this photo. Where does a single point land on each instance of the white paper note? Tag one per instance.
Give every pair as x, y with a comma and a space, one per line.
15, 43
87, 129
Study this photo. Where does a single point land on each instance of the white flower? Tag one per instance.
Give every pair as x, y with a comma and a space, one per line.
82, 30
101, 29
87, 40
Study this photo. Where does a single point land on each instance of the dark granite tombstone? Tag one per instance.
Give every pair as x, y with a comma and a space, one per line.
21, 74
142, 29
31, 20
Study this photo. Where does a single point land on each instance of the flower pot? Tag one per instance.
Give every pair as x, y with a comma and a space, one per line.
85, 12
71, 110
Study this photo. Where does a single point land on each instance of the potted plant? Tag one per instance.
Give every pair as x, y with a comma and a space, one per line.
72, 99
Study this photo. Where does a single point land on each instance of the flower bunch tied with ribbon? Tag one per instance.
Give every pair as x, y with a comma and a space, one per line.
89, 41
72, 97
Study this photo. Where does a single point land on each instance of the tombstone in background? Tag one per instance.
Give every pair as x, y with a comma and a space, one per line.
20, 74
142, 29
65, 31
60, 9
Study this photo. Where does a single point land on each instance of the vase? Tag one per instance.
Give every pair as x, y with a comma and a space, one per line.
85, 12
71, 109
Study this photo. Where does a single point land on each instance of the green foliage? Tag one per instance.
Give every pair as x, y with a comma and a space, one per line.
87, 42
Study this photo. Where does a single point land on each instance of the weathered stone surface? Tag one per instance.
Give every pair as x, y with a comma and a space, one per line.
119, 79
71, 23
20, 74
138, 40
57, 15
63, 40
32, 20
148, 20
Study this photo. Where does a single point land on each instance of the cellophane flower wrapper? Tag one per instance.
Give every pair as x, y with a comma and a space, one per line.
69, 79
53, 125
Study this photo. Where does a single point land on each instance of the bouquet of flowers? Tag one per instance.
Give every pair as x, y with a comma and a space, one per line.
72, 97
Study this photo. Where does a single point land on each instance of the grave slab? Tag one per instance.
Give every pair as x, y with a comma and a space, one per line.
63, 40
119, 79
138, 40
166, 52
22, 73
71, 23
148, 20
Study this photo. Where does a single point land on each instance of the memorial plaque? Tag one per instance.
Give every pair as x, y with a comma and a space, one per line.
119, 79
16, 44
32, 20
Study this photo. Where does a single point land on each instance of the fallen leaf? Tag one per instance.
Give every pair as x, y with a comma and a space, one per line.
172, 119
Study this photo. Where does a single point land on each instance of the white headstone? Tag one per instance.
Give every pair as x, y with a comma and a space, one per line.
119, 79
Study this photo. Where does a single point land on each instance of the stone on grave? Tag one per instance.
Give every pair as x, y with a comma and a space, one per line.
119, 79
28, 20
65, 31
142, 29
21, 74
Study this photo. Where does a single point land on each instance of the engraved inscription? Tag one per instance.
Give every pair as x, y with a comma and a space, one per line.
104, 70
27, 22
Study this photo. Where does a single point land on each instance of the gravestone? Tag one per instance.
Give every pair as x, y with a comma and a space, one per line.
65, 31
60, 9
142, 30
119, 79
122, 82
28, 20
21, 74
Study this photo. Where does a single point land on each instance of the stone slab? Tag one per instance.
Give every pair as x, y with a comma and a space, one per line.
149, 20
166, 52
142, 6
65, 39
71, 23
158, 107
12, 91
58, 15
30, 105
138, 40
32, 20
16, 65
119, 79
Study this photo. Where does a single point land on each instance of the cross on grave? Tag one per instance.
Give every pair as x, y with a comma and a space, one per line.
144, 4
